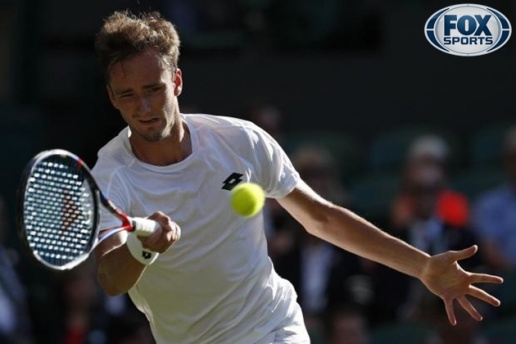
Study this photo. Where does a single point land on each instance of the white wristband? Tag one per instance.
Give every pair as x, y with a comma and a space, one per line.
139, 253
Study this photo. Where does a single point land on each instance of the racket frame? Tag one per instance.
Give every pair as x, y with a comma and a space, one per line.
97, 195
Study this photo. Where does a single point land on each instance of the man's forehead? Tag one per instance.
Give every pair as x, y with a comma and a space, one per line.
145, 63
124, 75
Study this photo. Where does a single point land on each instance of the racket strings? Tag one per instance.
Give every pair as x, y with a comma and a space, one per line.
59, 208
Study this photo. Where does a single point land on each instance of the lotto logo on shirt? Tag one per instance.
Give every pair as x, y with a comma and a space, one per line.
468, 30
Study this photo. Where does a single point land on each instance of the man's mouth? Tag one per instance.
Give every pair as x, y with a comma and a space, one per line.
149, 121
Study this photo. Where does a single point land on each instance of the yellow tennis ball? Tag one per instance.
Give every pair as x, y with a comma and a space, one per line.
247, 199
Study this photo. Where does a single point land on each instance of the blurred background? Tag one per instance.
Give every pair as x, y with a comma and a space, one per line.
376, 119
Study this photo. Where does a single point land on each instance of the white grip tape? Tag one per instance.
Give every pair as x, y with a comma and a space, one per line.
139, 253
143, 226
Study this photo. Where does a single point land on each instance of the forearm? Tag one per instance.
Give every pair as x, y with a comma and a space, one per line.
117, 270
353, 233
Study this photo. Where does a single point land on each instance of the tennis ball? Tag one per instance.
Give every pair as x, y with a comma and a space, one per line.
247, 199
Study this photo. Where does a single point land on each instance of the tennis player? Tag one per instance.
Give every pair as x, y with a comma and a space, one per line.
216, 283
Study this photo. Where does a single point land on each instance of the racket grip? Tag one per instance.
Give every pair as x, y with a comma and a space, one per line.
143, 226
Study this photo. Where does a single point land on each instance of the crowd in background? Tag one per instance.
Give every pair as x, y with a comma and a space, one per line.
345, 299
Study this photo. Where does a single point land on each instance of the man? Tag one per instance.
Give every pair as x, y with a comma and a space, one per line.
15, 323
216, 284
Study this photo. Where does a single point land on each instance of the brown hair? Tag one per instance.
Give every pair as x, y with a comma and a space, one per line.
125, 35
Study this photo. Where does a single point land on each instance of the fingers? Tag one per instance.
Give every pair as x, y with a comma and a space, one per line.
484, 296
168, 233
162, 219
448, 304
485, 278
172, 234
469, 308
466, 253
175, 233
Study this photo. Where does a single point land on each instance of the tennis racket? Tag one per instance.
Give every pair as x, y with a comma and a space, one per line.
58, 211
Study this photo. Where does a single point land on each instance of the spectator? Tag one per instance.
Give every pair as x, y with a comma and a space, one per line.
79, 316
348, 325
494, 218
428, 155
428, 215
15, 324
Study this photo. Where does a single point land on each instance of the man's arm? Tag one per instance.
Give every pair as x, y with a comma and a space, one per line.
339, 226
117, 270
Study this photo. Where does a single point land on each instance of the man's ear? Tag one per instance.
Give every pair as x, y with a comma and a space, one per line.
178, 82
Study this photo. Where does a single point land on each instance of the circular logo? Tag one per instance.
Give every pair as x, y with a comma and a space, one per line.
468, 30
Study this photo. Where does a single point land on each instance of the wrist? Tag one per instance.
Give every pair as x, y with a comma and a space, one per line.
423, 272
141, 254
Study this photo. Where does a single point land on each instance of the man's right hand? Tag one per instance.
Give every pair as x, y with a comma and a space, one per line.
168, 233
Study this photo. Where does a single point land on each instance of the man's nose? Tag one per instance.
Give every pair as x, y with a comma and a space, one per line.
144, 106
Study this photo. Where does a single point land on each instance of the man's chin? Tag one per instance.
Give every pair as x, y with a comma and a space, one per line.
153, 138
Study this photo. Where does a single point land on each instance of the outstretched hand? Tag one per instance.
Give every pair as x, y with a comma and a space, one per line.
444, 277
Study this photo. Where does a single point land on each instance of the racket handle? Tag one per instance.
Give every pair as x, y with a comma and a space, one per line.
143, 226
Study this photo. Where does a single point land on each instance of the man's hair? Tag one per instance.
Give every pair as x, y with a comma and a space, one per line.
125, 35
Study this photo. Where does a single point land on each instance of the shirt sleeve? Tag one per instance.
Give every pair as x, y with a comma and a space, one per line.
275, 171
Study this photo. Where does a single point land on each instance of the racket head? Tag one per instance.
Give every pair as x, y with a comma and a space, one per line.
58, 209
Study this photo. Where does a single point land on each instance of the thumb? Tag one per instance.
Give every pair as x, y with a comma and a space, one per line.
466, 253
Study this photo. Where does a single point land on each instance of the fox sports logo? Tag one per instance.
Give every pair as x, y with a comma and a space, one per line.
468, 30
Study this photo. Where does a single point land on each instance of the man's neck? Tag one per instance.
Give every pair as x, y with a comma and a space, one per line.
170, 150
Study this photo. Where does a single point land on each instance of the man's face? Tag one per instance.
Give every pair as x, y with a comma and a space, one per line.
425, 182
145, 92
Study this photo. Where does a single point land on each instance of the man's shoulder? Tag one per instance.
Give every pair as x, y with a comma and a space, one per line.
113, 153
210, 128
218, 123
